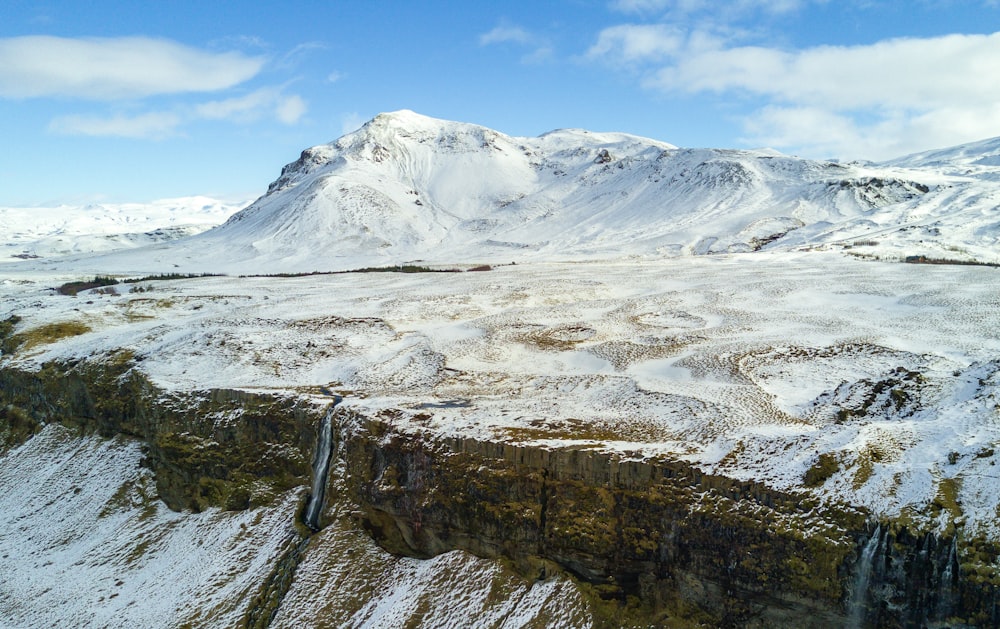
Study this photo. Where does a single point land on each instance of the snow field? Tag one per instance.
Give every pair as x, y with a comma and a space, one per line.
748, 365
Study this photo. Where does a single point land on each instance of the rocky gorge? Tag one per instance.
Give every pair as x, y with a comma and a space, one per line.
644, 541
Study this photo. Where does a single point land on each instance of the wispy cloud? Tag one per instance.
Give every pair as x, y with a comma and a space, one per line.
505, 33
539, 48
254, 106
628, 43
268, 103
148, 126
650, 6
290, 109
246, 108
115, 68
687, 7
296, 55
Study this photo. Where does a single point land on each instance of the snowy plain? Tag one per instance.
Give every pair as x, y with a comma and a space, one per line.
739, 363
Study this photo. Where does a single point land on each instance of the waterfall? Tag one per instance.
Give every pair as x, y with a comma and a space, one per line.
946, 585
264, 605
862, 578
321, 470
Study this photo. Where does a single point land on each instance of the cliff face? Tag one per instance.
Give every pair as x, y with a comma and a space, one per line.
653, 541
224, 448
657, 537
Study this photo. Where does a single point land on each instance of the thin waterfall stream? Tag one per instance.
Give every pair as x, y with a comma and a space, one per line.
321, 471
266, 603
862, 579
946, 585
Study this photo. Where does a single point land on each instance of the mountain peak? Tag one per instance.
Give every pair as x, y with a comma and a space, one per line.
407, 123
408, 186
406, 117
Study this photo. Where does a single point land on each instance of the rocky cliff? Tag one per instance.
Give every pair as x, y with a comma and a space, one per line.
224, 448
650, 541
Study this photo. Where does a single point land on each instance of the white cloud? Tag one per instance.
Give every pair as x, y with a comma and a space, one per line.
653, 6
246, 108
541, 49
919, 73
149, 126
822, 133
335, 76
729, 7
118, 68
265, 103
637, 42
502, 34
815, 131
290, 109
877, 100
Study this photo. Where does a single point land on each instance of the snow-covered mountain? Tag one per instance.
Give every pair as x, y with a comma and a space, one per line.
406, 187
410, 187
45, 232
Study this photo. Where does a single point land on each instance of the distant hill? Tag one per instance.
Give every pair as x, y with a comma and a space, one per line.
46, 232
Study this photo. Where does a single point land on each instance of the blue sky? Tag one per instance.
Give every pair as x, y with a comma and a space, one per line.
127, 101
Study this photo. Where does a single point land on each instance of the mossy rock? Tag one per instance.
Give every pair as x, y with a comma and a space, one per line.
826, 466
42, 335
227, 449
16, 427
7, 346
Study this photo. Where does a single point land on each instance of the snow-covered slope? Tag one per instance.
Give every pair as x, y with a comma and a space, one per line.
406, 187
409, 187
972, 159
958, 218
104, 552
46, 232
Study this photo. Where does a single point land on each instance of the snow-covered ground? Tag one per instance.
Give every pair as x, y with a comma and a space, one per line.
46, 232
750, 365
85, 542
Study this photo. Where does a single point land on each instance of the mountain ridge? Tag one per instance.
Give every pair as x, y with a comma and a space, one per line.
406, 187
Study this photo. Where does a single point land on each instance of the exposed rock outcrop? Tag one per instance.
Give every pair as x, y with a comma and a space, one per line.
225, 448
656, 540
